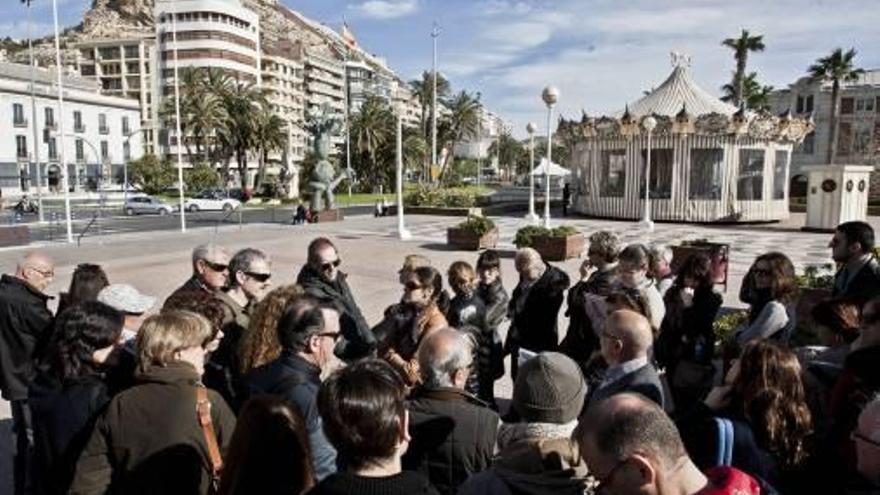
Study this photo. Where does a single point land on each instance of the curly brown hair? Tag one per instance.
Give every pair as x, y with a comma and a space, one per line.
771, 395
200, 302
260, 345
783, 286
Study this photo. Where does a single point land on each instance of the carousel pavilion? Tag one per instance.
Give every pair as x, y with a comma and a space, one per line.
710, 162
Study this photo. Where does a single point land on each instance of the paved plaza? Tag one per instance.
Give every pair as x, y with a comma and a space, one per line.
158, 262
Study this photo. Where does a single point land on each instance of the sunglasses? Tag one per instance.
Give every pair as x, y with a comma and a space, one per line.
259, 277
411, 286
334, 335
44, 273
217, 267
331, 264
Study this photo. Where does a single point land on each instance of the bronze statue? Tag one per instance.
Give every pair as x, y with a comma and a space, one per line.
322, 126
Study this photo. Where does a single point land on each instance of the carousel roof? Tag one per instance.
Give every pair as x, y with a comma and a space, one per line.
679, 91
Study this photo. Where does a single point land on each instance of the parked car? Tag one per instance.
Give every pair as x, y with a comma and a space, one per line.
138, 205
211, 200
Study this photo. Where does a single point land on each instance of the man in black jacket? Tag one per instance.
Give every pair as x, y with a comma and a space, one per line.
534, 307
210, 272
307, 332
852, 247
25, 323
322, 279
453, 432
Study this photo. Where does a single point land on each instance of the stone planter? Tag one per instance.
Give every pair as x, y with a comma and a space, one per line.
16, 235
334, 215
465, 239
559, 248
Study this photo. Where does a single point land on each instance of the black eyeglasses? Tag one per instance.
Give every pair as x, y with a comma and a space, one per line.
864, 438
259, 277
217, 267
605, 482
335, 335
331, 264
412, 286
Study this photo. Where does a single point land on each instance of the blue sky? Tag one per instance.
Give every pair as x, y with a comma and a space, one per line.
600, 53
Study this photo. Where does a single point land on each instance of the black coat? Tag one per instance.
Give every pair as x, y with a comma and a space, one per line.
453, 437
688, 333
863, 287
63, 417
534, 326
496, 300
467, 313
581, 338
644, 381
357, 339
297, 381
25, 326
403, 483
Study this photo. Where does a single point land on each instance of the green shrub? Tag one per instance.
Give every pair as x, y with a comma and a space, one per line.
564, 231
152, 174
200, 177
817, 277
725, 324
449, 198
525, 236
477, 225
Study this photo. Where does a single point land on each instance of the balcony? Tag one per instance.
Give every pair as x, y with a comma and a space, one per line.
20, 122
104, 129
79, 128
52, 126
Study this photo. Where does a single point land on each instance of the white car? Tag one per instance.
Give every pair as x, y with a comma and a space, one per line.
210, 201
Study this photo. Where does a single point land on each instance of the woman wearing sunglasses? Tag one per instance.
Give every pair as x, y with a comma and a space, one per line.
417, 316
770, 289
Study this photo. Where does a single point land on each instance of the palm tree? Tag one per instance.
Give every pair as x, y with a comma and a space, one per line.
423, 90
371, 128
741, 47
465, 111
755, 95
415, 149
241, 102
837, 67
205, 115
270, 135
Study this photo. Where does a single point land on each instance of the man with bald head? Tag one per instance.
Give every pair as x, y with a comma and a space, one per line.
632, 447
453, 432
25, 323
534, 306
625, 342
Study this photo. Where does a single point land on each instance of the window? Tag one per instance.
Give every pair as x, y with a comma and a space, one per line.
78, 121
780, 174
869, 104
862, 140
80, 151
844, 139
846, 106
18, 119
661, 173
799, 107
808, 147
126, 151
808, 104
102, 124
131, 51
53, 149
21, 147
613, 173
750, 181
706, 173
125, 128
105, 150
50, 117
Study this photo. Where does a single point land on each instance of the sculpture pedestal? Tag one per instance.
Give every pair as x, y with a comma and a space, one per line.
836, 194
334, 215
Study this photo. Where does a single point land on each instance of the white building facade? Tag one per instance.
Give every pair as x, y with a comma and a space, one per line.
98, 139
284, 81
492, 126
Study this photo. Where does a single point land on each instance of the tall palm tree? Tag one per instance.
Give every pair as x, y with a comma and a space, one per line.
741, 47
837, 67
205, 115
463, 121
371, 128
423, 90
241, 102
415, 149
270, 135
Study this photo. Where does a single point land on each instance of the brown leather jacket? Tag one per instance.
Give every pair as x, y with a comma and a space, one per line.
403, 353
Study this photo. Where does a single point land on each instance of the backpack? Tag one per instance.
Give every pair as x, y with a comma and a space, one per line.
724, 452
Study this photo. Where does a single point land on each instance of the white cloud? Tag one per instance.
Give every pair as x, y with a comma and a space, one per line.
387, 9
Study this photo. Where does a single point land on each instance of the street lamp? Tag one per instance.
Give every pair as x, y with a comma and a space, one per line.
550, 95
404, 234
650, 123
531, 217
59, 69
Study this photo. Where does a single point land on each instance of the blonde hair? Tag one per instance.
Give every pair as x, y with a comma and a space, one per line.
163, 335
462, 277
413, 261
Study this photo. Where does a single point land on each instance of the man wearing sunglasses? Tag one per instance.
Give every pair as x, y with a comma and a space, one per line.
25, 323
322, 279
210, 264
632, 447
250, 274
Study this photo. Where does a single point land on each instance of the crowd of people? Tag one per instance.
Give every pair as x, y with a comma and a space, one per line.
234, 387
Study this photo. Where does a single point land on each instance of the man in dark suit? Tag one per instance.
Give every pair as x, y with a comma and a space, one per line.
852, 247
534, 307
625, 342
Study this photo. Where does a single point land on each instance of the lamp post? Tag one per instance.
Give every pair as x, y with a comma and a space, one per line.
178, 132
532, 218
404, 234
435, 33
36, 154
65, 180
650, 123
550, 95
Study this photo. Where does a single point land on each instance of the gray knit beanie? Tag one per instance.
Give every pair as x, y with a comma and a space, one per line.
549, 388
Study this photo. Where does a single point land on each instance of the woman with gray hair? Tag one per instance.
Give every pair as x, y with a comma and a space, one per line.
586, 298
661, 267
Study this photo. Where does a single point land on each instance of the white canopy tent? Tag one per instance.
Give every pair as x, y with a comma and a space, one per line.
555, 170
